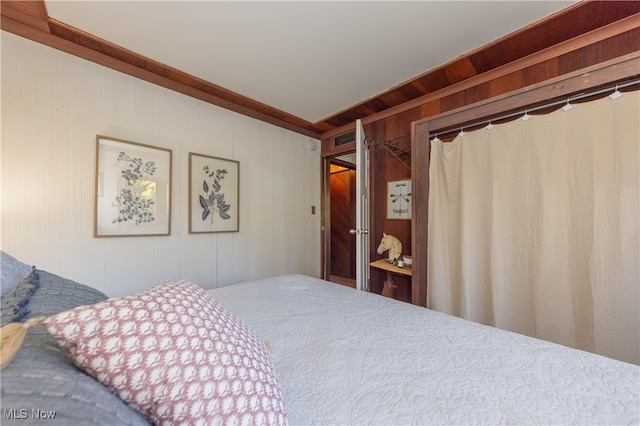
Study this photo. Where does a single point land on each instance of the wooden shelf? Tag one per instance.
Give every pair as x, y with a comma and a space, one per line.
389, 288
389, 267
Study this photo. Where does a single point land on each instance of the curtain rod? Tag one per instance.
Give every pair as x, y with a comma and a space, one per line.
527, 110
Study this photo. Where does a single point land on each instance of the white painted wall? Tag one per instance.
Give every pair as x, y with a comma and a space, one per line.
54, 105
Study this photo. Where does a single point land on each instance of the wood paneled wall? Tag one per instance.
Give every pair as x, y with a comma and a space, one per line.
584, 20
609, 44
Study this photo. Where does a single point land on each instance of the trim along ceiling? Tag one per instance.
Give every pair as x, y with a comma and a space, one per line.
310, 67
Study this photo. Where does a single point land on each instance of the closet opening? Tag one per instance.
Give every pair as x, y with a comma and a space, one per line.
340, 184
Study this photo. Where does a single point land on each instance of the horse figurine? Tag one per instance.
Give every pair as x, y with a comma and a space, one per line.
391, 243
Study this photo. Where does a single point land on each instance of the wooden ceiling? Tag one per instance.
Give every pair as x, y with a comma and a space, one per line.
29, 19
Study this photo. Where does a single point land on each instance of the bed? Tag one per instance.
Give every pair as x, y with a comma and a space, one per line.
349, 357
340, 356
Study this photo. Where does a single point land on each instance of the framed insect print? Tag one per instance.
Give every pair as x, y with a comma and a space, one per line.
399, 199
214, 194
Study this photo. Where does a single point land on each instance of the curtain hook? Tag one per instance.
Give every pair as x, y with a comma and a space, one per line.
489, 126
616, 94
526, 115
568, 106
436, 139
461, 132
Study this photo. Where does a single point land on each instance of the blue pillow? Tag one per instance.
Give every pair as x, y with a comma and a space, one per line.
57, 294
12, 271
15, 301
42, 379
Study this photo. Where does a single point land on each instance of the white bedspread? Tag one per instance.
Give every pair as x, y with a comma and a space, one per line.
349, 357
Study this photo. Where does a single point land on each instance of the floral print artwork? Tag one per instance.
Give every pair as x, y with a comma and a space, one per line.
137, 193
212, 202
214, 194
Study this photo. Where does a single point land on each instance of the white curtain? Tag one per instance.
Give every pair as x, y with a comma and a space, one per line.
533, 227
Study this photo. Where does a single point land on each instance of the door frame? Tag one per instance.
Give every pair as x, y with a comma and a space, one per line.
326, 206
363, 206
363, 245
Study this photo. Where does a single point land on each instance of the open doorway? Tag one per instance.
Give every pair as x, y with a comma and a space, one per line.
341, 185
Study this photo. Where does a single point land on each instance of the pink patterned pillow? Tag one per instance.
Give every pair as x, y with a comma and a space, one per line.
175, 355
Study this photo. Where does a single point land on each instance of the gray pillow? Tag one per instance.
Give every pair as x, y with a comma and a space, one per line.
15, 301
56, 294
12, 271
42, 379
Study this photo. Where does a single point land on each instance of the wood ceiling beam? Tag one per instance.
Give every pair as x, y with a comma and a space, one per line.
619, 27
579, 25
29, 19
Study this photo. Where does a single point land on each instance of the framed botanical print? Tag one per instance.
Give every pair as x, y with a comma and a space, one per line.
399, 199
214, 194
133, 189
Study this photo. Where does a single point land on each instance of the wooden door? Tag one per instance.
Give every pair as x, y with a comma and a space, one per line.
343, 219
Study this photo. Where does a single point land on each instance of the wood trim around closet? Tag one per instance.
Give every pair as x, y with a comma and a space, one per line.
597, 76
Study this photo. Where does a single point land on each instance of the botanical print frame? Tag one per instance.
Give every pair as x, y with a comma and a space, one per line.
399, 199
214, 194
133, 189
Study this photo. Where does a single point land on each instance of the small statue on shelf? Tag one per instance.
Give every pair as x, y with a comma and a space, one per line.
391, 243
